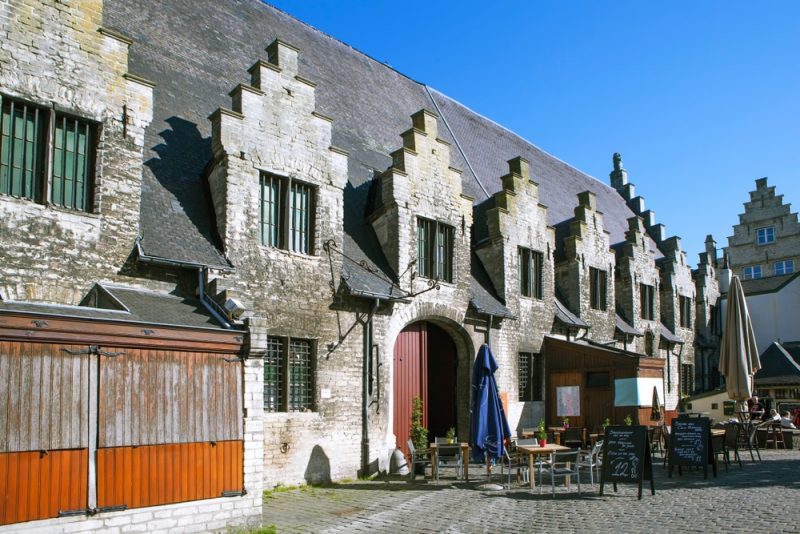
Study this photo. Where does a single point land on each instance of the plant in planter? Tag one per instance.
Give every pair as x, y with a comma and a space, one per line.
542, 434
451, 435
606, 423
628, 420
566, 422
419, 434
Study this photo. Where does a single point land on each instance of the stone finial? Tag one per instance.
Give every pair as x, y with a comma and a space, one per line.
283, 55
711, 249
521, 166
619, 176
587, 199
761, 183
426, 121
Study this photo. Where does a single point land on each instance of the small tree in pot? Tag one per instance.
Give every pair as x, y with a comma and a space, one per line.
542, 434
419, 434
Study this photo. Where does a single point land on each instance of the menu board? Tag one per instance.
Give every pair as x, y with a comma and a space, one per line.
689, 444
626, 457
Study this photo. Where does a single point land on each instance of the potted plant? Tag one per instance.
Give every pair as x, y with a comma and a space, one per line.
451, 435
606, 423
542, 434
628, 420
419, 434
566, 422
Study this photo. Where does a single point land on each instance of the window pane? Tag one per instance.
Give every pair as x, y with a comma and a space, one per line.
525, 272
21, 149
300, 375
273, 377
299, 218
73, 144
422, 245
270, 212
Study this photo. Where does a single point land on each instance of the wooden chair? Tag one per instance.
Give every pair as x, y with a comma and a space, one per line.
573, 438
774, 436
731, 443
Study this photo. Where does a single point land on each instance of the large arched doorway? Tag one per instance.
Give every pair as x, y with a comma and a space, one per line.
425, 366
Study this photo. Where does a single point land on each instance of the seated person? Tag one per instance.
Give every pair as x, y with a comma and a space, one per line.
786, 420
773, 416
756, 408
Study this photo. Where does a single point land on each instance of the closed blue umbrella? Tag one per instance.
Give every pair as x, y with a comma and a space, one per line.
488, 426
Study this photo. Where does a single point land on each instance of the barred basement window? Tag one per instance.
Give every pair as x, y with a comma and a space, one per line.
598, 284
286, 214
25, 132
647, 302
530, 376
530, 273
289, 367
686, 311
687, 379
434, 250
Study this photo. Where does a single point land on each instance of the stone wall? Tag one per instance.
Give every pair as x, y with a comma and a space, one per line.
57, 55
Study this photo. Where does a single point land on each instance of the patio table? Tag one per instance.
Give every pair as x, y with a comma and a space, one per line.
535, 450
434, 448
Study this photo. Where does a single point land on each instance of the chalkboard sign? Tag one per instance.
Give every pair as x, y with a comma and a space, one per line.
690, 444
626, 457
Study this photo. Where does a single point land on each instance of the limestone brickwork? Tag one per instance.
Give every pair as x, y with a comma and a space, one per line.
764, 210
707, 320
58, 56
273, 127
519, 220
586, 247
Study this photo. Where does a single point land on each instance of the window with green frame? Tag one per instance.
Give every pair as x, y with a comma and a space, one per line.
686, 311
435, 249
286, 214
33, 138
647, 302
598, 289
289, 375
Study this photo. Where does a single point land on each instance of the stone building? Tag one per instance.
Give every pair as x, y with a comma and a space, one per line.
225, 180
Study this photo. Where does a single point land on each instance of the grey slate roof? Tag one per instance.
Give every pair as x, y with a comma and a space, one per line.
667, 334
567, 317
769, 284
625, 328
197, 51
129, 305
779, 365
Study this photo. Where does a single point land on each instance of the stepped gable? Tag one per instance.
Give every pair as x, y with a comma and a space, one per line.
196, 51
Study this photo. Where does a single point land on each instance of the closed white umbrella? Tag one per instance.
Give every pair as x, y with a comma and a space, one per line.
738, 355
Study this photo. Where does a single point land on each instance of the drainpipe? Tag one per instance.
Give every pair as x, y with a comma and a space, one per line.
367, 351
489, 331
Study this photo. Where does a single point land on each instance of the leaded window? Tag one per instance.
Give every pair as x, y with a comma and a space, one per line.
686, 311
647, 302
687, 379
435, 249
530, 376
289, 375
598, 288
286, 214
530, 272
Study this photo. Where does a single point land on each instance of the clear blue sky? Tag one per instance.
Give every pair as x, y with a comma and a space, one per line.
701, 97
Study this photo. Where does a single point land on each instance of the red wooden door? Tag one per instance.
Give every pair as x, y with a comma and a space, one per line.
410, 362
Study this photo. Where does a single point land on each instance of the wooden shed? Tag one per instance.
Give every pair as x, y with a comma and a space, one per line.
581, 377
100, 412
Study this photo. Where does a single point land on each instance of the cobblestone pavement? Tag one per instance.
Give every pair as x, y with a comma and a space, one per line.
759, 497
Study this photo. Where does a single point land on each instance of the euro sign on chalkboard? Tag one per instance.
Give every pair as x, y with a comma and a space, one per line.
690, 444
626, 457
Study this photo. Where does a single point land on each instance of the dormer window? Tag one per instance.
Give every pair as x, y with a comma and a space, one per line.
285, 214
530, 273
435, 249
765, 235
647, 302
686, 311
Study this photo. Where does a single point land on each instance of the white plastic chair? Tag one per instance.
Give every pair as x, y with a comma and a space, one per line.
591, 460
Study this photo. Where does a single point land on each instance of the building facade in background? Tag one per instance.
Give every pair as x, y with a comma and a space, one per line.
262, 245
